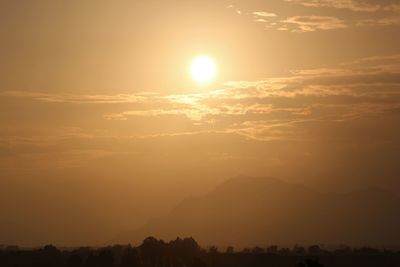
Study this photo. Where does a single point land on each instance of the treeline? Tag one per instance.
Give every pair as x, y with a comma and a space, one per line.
187, 253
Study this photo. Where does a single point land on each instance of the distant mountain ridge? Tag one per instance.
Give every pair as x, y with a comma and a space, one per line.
260, 211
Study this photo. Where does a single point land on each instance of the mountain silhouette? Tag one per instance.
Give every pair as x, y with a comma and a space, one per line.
246, 211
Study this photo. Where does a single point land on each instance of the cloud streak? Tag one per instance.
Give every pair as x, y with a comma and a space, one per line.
387, 21
314, 23
268, 109
82, 99
340, 4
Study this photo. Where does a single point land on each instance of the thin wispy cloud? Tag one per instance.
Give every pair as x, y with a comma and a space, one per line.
387, 21
76, 98
314, 23
268, 110
264, 14
341, 4
392, 7
378, 14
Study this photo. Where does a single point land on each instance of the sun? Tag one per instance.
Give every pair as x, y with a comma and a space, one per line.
203, 69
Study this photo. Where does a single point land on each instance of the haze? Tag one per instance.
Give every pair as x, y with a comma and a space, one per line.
102, 128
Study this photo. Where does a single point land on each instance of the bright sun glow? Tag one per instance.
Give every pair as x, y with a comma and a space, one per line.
203, 69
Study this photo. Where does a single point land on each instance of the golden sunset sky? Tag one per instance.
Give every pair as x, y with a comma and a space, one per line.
101, 122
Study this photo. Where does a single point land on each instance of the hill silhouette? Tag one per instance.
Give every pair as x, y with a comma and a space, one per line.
247, 211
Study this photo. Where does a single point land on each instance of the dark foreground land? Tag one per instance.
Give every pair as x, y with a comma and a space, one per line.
187, 253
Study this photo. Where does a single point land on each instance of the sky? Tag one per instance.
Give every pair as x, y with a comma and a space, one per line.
102, 127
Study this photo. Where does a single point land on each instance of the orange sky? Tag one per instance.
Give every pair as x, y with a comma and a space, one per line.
101, 121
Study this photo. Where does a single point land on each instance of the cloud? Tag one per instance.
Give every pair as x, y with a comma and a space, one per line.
313, 23
237, 11
344, 106
76, 98
264, 17
264, 14
386, 10
387, 21
298, 23
392, 8
341, 4
269, 109
386, 13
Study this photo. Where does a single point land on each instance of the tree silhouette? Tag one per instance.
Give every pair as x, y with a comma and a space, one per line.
315, 249
213, 250
199, 263
299, 250
106, 258
257, 250
186, 248
129, 258
310, 263
151, 247
272, 249
187, 253
74, 261
230, 249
